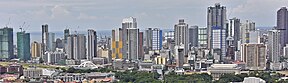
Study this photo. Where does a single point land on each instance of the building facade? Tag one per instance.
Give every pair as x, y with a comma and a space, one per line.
35, 49
76, 47
282, 25
254, 55
92, 45
23, 46
117, 44
216, 17
6, 43
181, 35
193, 36
274, 46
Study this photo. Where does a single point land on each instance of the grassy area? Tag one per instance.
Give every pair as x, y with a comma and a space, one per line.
26, 65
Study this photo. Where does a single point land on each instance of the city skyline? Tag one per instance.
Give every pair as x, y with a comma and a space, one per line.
104, 15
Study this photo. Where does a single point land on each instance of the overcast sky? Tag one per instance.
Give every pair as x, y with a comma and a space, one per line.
108, 14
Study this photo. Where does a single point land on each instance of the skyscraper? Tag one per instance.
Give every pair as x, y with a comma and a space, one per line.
128, 23
117, 44
50, 45
6, 43
218, 43
76, 46
35, 49
153, 39
179, 52
92, 44
246, 27
23, 45
44, 38
233, 31
282, 25
140, 46
193, 36
66, 34
181, 35
202, 37
216, 17
274, 45
133, 44
254, 55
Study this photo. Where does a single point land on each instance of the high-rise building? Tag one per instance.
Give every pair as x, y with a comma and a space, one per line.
6, 43
133, 43
127, 23
282, 25
50, 42
92, 44
59, 43
35, 49
254, 36
233, 31
153, 39
202, 37
117, 44
169, 35
76, 46
179, 52
254, 55
218, 43
216, 17
285, 51
181, 35
140, 46
66, 34
23, 46
44, 38
274, 45
246, 27
193, 36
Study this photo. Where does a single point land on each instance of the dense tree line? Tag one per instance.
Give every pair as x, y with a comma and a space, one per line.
193, 78
137, 77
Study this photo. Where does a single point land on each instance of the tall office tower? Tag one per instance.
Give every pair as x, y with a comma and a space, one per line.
193, 36
44, 38
6, 43
117, 44
245, 29
127, 23
59, 43
66, 34
202, 37
50, 42
153, 39
274, 45
133, 42
35, 49
254, 55
148, 39
92, 44
140, 46
179, 52
23, 45
218, 43
181, 35
282, 25
76, 46
216, 17
233, 31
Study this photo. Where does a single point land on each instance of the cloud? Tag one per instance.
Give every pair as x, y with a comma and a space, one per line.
60, 12
84, 16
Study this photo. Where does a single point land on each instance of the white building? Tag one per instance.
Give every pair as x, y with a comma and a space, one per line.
92, 45
253, 80
216, 70
32, 72
181, 35
285, 51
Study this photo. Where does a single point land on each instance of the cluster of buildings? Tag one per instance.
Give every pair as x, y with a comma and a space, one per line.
228, 43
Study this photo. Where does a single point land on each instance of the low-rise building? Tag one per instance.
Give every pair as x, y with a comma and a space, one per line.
15, 68
32, 72
253, 80
216, 70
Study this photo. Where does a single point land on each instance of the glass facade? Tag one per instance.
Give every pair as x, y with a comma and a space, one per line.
23, 46
6, 43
